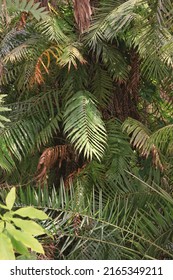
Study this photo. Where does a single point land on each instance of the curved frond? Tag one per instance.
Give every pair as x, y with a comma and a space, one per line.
139, 134
84, 126
163, 139
54, 29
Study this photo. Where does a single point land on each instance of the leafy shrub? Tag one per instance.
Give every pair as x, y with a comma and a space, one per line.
18, 229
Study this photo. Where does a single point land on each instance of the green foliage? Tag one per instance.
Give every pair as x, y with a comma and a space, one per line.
18, 234
96, 110
125, 225
3, 109
84, 126
24, 6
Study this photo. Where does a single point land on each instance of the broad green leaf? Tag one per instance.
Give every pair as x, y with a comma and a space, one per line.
29, 226
10, 199
3, 206
7, 216
1, 226
27, 239
19, 247
32, 213
6, 248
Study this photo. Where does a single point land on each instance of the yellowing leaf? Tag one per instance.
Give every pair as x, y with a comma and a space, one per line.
29, 226
10, 199
6, 248
32, 213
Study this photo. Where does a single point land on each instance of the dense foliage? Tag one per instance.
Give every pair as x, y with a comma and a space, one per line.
86, 128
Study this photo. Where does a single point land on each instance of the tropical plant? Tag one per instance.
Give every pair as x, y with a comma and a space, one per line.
134, 223
17, 233
89, 88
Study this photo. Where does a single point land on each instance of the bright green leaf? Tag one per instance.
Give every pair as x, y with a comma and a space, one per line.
19, 247
29, 226
25, 238
32, 213
1, 226
3, 206
10, 199
6, 248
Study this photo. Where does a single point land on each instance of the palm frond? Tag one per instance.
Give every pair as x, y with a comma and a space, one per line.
102, 85
31, 125
25, 6
3, 109
84, 126
118, 18
139, 133
70, 56
92, 227
162, 138
54, 29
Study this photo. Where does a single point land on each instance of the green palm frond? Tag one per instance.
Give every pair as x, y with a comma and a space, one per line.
54, 29
163, 139
84, 126
31, 125
139, 134
100, 228
102, 85
71, 56
25, 6
6, 162
119, 156
107, 26
115, 63
3, 109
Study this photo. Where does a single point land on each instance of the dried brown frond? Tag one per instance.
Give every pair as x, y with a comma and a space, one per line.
73, 174
48, 159
76, 223
43, 64
82, 14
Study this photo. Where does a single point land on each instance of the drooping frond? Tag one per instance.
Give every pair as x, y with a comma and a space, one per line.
115, 63
107, 26
102, 85
70, 56
139, 134
54, 29
31, 125
84, 126
163, 139
141, 138
6, 163
119, 155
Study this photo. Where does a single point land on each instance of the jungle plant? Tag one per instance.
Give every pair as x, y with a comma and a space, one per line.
18, 229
